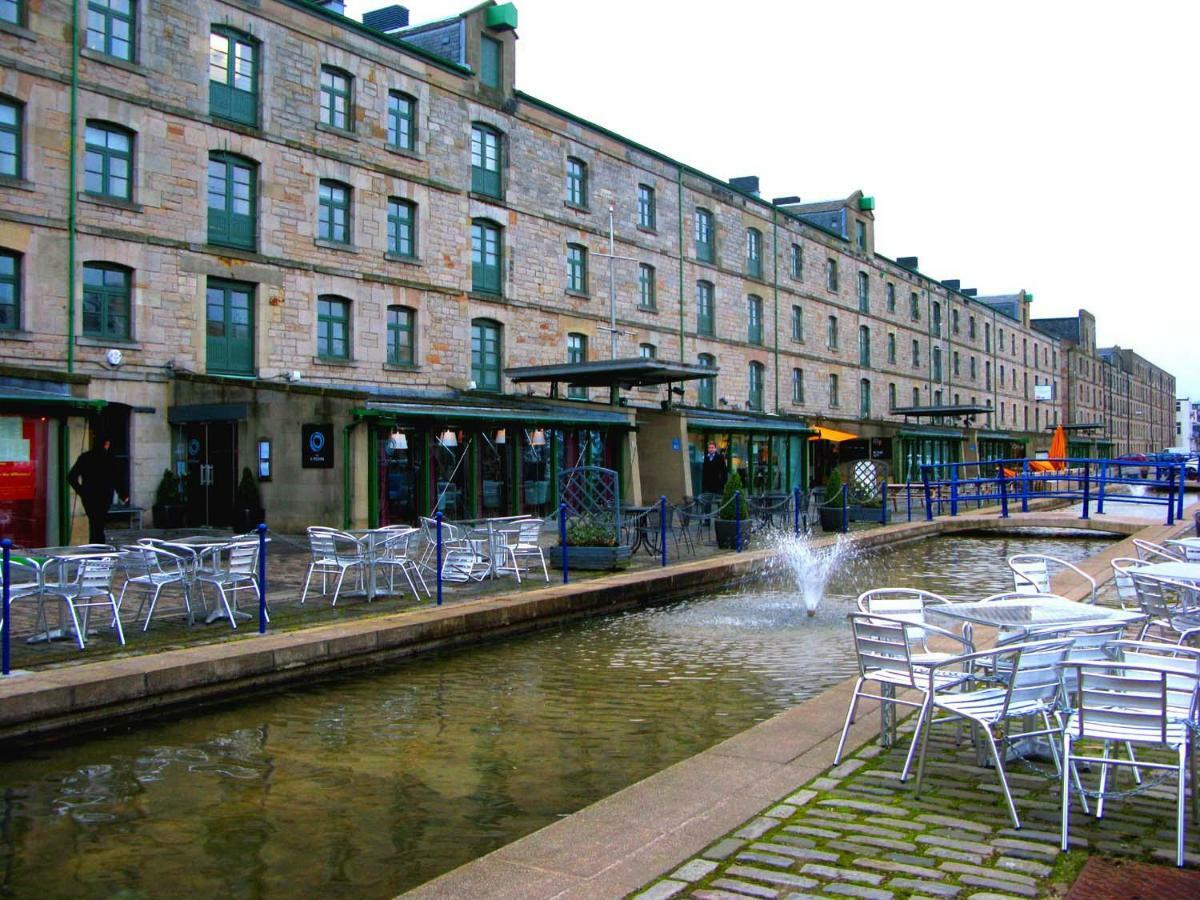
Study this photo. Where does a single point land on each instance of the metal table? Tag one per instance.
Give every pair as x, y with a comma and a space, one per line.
1026, 615
1176, 571
42, 561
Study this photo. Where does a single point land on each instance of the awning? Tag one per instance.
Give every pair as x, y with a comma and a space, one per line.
935, 412
501, 411
715, 420
34, 400
999, 436
930, 432
206, 412
623, 373
831, 434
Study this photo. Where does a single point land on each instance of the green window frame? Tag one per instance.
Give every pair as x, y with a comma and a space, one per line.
798, 324
108, 161
954, 363
706, 314
112, 28
333, 212
648, 351
106, 303
914, 306
705, 236
232, 75
864, 397
401, 335
891, 396
754, 323
647, 294
706, 388
890, 297
577, 269
10, 290
485, 161
232, 201
864, 292
936, 316
835, 398
11, 12
971, 328
487, 257
831, 274
402, 227
833, 333
577, 353
229, 324
333, 327
954, 321
797, 262
864, 346
860, 234
987, 338
916, 354
577, 182
491, 61
402, 121
754, 253
647, 208
12, 123
891, 347
486, 353
798, 387
754, 386
916, 396
936, 361
337, 98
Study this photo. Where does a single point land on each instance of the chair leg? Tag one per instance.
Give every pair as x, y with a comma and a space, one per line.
153, 603
337, 587
1012, 807
80, 629
1181, 803
837, 757
925, 727
919, 735
304, 593
117, 618
1103, 782
228, 608
1069, 770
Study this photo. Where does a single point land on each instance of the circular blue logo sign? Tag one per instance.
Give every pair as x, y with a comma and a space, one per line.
194, 447
316, 441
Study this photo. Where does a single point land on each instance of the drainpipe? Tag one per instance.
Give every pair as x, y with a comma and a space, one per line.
346, 429
64, 490
775, 289
679, 185
72, 164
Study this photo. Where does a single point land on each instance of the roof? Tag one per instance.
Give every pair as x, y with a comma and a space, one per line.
625, 373
37, 399
499, 409
934, 412
717, 420
1005, 304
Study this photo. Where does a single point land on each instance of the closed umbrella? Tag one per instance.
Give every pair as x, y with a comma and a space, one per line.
1058, 448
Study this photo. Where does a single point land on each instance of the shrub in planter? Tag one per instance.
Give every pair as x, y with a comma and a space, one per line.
169, 509
831, 511
248, 510
725, 523
591, 546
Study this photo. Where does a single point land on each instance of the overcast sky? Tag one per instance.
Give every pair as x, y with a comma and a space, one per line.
1049, 146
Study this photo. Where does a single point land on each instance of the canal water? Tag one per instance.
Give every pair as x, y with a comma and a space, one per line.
374, 782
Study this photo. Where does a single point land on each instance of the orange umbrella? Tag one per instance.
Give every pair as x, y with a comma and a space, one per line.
1058, 447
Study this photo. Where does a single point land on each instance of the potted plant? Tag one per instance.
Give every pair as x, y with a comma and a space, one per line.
591, 545
248, 510
169, 509
831, 510
725, 523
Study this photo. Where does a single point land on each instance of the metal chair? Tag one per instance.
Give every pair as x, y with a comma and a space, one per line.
1170, 606
1126, 592
397, 552
334, 553
150, 570
90, 587
989, 689
1141, 705
907, 601
1031, 573
528, 545
234, 570
1152, 552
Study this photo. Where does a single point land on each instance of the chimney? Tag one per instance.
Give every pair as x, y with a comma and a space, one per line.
786, 201
970, 292
907, 262
389, 19
747, 184
953, 283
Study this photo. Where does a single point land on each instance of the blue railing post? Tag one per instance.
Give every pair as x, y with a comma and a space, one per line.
1182, 488
1087, 489
562, 537
6, 628
1100, 489
737, 521
262, 577
662, 526
908, 497
1003, 493
953, 490
845, 507
928, 494
883, 507
796, 511
438, 517
1171, 501
1024, 485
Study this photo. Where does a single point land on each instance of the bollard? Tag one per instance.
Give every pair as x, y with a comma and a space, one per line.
845, 507
262, 577
796, 511
737, 520
1100, 489
908, 498
1025, 486
953, 491
662, 526
883, 504
928, 495
1171, 502
6, 626
438, 516
1182, 490
1003, 494
562, 537
1087, 489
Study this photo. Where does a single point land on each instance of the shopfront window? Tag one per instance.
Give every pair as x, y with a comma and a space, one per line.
535, 471
23, 495
448, 472
398, 462
494, 472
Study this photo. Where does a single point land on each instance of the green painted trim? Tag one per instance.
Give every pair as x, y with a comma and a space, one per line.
502, 17
775, 291
584, 418
72, 165
372, 478
866, 203
931, 433
682, 292
64, 489
346, 508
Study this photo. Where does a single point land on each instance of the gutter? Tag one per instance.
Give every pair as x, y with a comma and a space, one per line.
72, 166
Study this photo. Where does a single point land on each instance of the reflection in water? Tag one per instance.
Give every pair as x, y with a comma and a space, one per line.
375, 782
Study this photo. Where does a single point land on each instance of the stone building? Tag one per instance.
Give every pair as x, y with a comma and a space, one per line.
256, 234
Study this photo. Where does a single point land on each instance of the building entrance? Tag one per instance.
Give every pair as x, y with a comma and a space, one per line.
210, 451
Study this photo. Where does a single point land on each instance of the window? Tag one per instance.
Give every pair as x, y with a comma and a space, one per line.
647, 351
1000, 338
401, 121
891, 396
864, 346
333, 328
754, 385
860, 235
401, 336
937, 364
485, 161
864, 397
10, 291
486, 354
333, 212
110, 28
108, 161
833, 333
706, 388
754, 253
402, 228
955, 363
797, 324
577, 182
705, 237
954, 321
10, 11
797, 262
487, 257
831, 280
232, 190
936, 316
491, 56
971, 328
916, 397
577, 275
754, 324
798, 387
937, 398
229, 323
232, 76
890, 294
106, 301
916, 354
577, 353
864, 292
834, 398
337, 98
646, 292
987, 374
914, 306
10, 138
647, 212
987, 336
705, 312
971, 370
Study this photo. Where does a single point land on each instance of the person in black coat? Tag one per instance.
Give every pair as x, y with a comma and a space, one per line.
94, 478
714, 472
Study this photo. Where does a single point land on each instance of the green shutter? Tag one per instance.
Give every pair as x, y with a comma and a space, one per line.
230, 327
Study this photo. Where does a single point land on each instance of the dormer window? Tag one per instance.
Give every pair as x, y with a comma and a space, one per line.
491, 61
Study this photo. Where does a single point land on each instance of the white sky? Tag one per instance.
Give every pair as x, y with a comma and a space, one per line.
1049, 146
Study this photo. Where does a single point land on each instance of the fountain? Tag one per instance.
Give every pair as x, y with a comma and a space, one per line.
812, 566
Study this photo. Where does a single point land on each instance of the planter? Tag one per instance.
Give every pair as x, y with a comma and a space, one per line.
831, 518
245, 520
866, 514
726, 530
591, 558
169, 515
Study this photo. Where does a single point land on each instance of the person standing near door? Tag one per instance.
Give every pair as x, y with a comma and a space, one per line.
714, 472
94, 478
